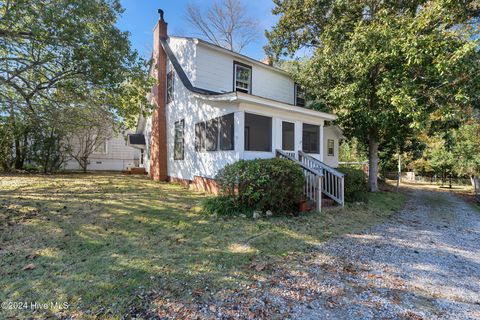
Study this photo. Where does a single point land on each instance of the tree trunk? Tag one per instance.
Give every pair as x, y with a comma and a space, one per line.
475, 184
18, 154
372, 164
84, 164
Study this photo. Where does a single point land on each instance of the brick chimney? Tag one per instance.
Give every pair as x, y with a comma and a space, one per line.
158, 151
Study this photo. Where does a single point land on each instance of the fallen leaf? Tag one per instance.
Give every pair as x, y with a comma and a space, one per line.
350, 268
29, 266
31, 256
258, 266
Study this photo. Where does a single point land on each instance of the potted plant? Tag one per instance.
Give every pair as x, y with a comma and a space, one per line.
303, 205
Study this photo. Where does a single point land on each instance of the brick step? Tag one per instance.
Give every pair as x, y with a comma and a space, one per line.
135, 170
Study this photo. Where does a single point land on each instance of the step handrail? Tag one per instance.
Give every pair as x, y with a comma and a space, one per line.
334, 180
286, 155
321, 164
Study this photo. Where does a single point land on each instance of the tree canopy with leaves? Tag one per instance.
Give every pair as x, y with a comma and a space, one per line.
53, 52
382, 66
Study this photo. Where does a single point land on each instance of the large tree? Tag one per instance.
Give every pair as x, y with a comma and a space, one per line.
382, 66
53, 51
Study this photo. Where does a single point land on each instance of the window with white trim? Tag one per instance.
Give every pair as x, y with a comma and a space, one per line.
299, 96
311, 138
258, 132
101, 148
178, 149
288, 136
216, 134
242, 77
331, 147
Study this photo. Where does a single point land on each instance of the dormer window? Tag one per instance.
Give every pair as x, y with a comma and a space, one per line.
299, 96
242, 77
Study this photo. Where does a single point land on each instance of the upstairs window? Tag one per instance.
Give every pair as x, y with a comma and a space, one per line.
299, 96
178, 149
242, 77
170, 86
215, 134
331, 147
311, 138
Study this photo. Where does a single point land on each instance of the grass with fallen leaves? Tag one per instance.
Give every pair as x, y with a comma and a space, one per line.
98, 241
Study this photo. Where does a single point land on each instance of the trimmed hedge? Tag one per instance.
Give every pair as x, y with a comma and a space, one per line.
355, 184
262, 184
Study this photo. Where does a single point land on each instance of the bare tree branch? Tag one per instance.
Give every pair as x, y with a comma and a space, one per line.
226, 24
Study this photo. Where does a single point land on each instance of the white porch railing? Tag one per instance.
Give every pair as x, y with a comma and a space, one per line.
312, 186
333, 180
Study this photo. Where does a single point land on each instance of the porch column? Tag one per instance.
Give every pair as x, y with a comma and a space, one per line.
322, 144
298, 136
276, 134
239, 119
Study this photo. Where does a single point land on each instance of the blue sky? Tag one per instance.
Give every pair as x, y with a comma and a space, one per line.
140, 17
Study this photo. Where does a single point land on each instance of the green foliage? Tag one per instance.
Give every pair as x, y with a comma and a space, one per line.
383, 66
225, 205
355, 184
263, 184
467, 149
58, 56
352, 151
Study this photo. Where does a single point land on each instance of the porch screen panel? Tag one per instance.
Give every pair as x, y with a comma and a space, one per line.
227, 127
311, 138
212, 135
258, 133
288, 136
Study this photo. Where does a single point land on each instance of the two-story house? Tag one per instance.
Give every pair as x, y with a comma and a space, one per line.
215, 107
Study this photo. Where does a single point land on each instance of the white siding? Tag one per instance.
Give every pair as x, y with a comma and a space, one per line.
330, 133
118, 157
184, 50
214, 71
192, 111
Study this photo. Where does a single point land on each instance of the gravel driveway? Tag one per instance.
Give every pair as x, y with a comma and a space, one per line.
422, 264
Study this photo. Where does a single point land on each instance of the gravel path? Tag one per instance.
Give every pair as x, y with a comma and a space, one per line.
423, 264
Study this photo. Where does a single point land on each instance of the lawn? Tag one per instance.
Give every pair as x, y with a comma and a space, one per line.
102, 242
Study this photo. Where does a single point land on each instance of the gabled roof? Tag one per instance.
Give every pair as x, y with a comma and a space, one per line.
232, 95
233, 54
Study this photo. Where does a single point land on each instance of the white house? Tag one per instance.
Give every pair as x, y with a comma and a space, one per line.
215, 107
112, 155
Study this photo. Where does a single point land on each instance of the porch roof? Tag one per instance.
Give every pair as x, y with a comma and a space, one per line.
257, 100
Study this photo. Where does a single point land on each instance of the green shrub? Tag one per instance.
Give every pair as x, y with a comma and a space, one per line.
225, 205
355, 184
263, 184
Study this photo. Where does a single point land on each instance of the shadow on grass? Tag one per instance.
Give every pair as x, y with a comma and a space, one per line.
98, 241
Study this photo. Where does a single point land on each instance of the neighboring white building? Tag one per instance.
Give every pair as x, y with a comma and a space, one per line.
112, 155
219, 107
